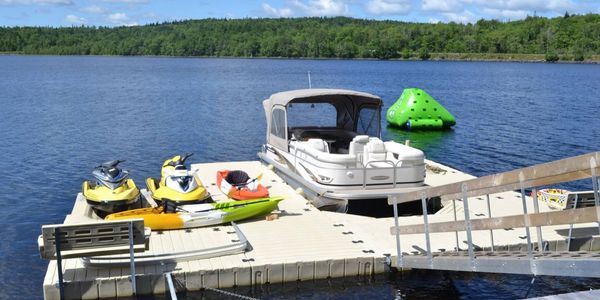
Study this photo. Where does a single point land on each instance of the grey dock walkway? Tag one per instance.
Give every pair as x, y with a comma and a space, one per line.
303, 243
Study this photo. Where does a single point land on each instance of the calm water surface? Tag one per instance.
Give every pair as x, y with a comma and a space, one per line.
61, 116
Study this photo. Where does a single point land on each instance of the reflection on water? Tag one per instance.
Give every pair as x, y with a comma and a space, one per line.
431, 142
424, 140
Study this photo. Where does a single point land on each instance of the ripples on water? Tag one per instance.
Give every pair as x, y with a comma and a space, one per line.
60, 116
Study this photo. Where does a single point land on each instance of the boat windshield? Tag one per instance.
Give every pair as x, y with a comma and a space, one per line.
311, 115
368, 121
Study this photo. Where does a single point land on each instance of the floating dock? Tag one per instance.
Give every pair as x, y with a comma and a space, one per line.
299, 242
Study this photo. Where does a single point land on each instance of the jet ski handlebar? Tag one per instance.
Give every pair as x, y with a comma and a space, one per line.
181, 160
186, 156
110, 164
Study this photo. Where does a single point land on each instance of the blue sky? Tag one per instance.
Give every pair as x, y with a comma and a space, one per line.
138, 12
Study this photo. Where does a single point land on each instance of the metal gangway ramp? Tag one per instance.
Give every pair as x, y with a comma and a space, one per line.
537, 259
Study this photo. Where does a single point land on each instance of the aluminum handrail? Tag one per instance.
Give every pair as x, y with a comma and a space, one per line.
564, 170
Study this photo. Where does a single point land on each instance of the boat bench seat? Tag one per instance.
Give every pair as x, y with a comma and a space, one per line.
335, 134
319, 149
357, 145
375, 151
317, 144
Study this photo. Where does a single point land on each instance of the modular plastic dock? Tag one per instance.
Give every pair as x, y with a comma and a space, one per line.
302, 243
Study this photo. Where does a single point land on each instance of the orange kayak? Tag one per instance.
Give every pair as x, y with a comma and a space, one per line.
238, 185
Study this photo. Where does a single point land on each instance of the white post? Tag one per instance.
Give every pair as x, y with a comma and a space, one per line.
132, 259
399, 252
468, 225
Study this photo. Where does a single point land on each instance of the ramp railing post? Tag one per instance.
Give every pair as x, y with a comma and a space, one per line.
526, 216
399, 263
455, 232
132, 259
61, 285
468, 225
171, 286
571, 226
487, 197
536, 207
426, 224
595, 185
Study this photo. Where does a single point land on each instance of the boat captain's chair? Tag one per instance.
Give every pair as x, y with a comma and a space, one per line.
374, 151
318, 144
357, 145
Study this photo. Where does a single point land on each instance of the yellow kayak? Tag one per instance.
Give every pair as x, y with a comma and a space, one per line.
199, 215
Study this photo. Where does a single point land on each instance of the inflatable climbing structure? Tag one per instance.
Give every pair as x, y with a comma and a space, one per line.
415, 109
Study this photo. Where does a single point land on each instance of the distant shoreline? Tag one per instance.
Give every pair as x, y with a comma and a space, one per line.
565, 39
457, 57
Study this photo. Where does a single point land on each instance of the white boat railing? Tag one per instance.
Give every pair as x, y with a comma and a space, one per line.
393, 165
366, 166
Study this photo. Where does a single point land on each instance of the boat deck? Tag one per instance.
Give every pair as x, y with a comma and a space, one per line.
301, 243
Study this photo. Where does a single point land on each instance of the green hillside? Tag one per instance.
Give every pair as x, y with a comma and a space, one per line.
575, 37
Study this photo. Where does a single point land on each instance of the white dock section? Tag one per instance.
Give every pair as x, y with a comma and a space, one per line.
303, 243
585, 295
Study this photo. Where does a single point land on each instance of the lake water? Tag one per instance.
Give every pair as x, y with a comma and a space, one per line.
61, 116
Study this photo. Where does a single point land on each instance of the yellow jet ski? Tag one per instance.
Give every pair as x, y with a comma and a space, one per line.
177, 184
113, 191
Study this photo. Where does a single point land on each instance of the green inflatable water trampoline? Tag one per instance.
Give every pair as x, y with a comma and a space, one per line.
415, 109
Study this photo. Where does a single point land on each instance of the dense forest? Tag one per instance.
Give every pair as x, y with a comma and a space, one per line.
570, 37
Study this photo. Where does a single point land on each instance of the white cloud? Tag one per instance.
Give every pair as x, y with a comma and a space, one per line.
322, 7
128, 1
278, 13
505, 13
389, 7
94, 9
528, 5
442, 5
120, 19
465, 11
35, 2
464, 17
73, 19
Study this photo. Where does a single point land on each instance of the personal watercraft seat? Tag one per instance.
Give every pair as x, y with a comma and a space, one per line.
113, 172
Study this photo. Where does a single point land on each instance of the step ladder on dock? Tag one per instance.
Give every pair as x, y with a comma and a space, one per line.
541, 258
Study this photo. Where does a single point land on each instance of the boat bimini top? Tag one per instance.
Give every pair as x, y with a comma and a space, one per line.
357, 113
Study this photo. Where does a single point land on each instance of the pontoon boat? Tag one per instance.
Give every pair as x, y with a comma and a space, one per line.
327, 142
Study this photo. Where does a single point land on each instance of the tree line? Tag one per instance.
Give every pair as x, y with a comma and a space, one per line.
574, 37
